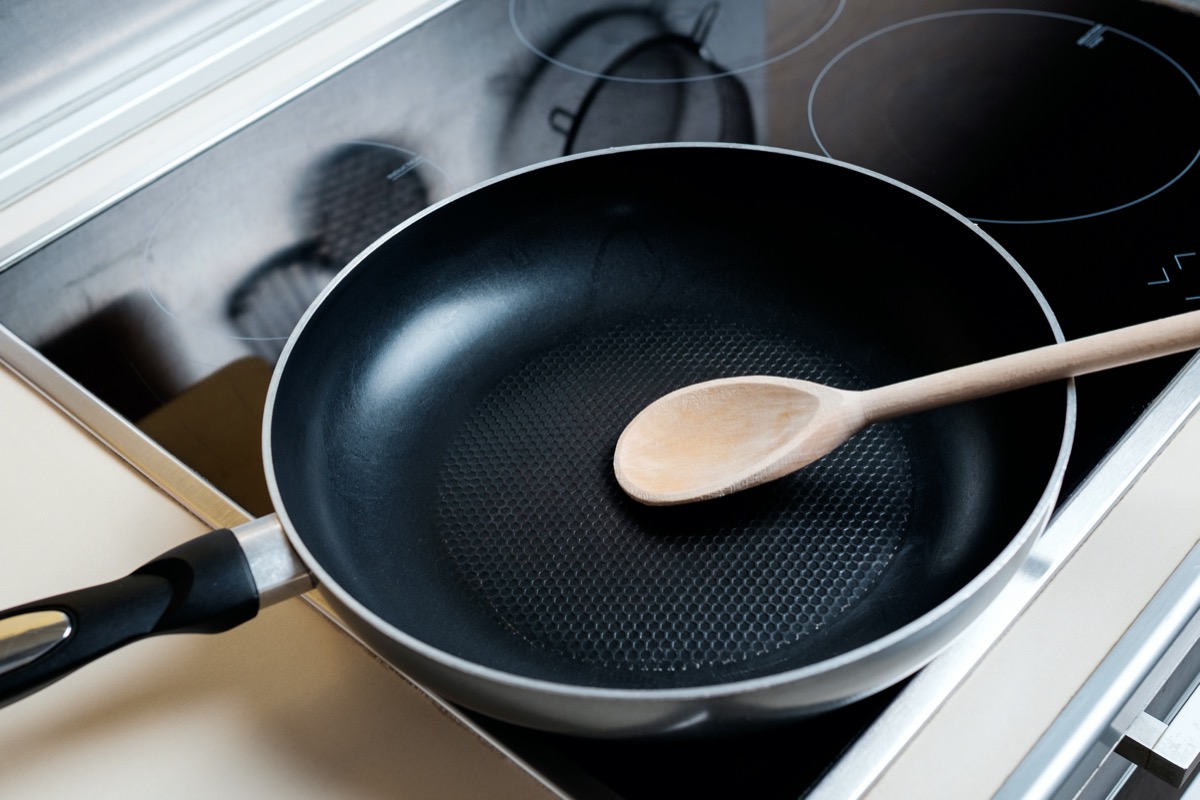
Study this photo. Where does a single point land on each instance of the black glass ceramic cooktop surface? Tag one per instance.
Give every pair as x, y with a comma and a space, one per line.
1069, 132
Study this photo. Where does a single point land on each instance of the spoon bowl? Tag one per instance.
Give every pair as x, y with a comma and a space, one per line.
721, 436
717, 437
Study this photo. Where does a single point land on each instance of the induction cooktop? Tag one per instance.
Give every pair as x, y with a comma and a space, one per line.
1068, 132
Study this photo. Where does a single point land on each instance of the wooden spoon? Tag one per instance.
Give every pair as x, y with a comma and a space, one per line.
718, 437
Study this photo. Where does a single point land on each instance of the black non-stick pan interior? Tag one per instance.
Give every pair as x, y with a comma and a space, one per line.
444, 426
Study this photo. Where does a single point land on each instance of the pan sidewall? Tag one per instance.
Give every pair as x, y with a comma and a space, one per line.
619, 712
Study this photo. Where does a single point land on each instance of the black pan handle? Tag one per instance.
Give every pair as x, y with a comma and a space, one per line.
203, 586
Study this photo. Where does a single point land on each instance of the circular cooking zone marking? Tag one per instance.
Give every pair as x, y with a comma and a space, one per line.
242, 254
1011, 116
532, 518
733, 34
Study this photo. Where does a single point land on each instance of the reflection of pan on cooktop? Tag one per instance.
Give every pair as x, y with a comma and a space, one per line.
750, 34
1011, 116
358, 193
266, 306
361, 191
661, 89
610, 77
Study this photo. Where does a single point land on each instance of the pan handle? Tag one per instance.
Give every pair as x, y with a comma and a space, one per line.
205, 585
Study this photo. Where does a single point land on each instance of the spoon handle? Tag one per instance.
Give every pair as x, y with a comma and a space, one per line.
1115, 348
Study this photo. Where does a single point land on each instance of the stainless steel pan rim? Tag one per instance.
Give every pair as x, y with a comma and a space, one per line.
940, 625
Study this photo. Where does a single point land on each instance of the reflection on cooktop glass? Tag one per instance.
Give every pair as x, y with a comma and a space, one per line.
726, 32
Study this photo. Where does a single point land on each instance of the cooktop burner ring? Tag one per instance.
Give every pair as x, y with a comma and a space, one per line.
905, 143
324, 207
548, 54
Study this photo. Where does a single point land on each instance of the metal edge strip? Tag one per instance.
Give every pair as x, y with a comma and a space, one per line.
885, 740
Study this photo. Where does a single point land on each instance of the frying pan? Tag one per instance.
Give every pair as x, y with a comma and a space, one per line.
440, 429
